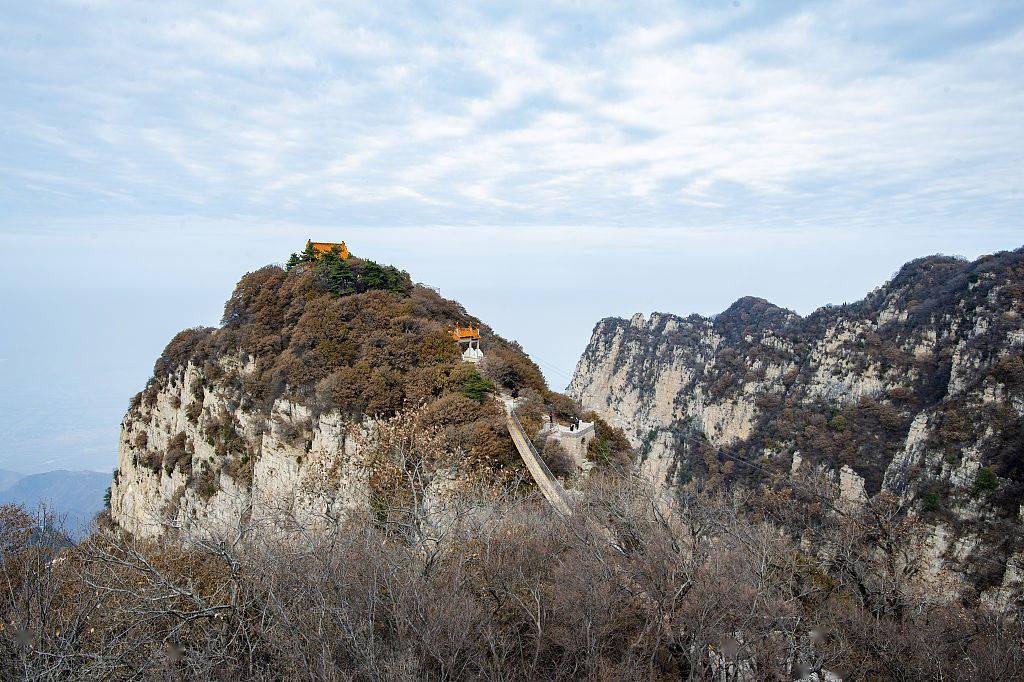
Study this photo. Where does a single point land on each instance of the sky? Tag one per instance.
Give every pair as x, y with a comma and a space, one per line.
546, 164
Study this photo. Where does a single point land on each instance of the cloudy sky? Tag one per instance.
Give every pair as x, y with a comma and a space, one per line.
548, 164
732, 114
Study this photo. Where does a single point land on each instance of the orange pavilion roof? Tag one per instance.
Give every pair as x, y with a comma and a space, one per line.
462, 333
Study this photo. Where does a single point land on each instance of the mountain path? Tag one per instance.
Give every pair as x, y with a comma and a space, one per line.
542, 476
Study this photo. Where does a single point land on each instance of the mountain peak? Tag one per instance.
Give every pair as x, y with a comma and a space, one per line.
751, 314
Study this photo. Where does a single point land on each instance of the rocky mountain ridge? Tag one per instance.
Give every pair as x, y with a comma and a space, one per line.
916, 391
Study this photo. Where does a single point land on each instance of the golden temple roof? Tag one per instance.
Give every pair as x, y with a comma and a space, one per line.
325, 247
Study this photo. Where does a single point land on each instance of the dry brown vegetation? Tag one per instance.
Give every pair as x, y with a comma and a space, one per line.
707, 587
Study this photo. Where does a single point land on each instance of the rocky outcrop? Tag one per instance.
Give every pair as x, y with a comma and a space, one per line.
917, 390
192, 459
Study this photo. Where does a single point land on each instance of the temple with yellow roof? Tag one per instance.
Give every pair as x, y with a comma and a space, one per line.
320, 248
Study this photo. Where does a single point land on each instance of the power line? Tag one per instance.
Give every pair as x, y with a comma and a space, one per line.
553, 368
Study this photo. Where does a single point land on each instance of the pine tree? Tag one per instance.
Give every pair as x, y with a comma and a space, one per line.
293, 260
343, 281
337, 276
387, 277
308, 254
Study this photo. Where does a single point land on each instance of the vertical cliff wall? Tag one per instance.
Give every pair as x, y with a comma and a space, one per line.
917, 390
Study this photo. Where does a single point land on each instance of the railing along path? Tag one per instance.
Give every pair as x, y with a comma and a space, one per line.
542, 476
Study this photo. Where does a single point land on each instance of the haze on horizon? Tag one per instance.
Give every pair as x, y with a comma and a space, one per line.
546, 165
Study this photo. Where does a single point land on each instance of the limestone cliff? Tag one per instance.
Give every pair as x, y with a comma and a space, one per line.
917, 390
275, 469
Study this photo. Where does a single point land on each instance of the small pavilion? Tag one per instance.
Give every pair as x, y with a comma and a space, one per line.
468, 339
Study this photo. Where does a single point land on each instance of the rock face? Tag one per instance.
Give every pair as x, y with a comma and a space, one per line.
917, 390
279, 471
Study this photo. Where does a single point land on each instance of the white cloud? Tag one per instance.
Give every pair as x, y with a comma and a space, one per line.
851, 112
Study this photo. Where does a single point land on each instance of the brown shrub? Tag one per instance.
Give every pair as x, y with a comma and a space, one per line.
179, 454
149, 459
1009, 370
423, 384
187, 345
221, 434
562, 407
149, 395
292, 431
452, 409
205, 482
241, 467
889, 418
558, 459
192, 412
511, 368
954, 427
610, 445
513, 592
491, 442
366, 353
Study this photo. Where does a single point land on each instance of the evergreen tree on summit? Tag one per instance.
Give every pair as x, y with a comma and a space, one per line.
308, 254
337, 276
